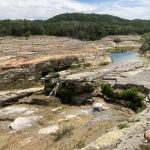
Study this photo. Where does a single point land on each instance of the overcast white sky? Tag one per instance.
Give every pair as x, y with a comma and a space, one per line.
44, 9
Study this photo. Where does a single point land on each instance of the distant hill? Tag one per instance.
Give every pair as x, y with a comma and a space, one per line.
76, 25
86, 18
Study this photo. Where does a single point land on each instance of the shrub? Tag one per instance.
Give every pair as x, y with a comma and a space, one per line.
145, 42
131, 95
122, 126
107, 89
79, 145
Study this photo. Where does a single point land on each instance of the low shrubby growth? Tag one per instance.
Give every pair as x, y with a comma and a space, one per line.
145, 147
121, 49
131, 96
107, 90
122, 126
79, 145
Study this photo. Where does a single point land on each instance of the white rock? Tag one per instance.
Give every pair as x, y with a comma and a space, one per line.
24, 122
29, 112
50, 129
99, 107
71, 116
56, 109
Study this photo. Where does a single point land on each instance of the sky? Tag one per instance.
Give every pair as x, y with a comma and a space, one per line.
44, 9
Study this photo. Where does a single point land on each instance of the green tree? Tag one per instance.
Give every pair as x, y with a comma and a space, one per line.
145, 42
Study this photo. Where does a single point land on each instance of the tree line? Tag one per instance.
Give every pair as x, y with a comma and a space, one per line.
75, 25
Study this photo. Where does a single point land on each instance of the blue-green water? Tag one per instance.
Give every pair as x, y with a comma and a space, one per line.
126, 56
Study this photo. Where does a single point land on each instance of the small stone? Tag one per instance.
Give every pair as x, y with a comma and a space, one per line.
99, 107
56, 109
50, 129
71, 116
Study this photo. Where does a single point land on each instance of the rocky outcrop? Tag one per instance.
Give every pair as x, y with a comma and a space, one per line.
130, 74
120, 75
29, 75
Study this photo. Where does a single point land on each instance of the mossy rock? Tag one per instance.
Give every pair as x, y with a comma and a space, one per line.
68, 90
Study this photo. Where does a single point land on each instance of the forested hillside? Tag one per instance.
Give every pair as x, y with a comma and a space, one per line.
75, 25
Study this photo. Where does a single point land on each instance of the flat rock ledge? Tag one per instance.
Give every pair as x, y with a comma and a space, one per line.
8, 97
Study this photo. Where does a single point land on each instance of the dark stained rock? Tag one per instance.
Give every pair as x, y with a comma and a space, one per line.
46, 100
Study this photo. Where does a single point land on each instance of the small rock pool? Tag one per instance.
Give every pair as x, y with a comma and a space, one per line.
126, 56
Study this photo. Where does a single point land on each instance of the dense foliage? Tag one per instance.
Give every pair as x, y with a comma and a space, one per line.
131, 95
145, 42
76, 25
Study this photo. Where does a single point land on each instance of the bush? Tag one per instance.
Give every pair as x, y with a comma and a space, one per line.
131, 95
79, 145
107, 89
122, 126
145, 42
